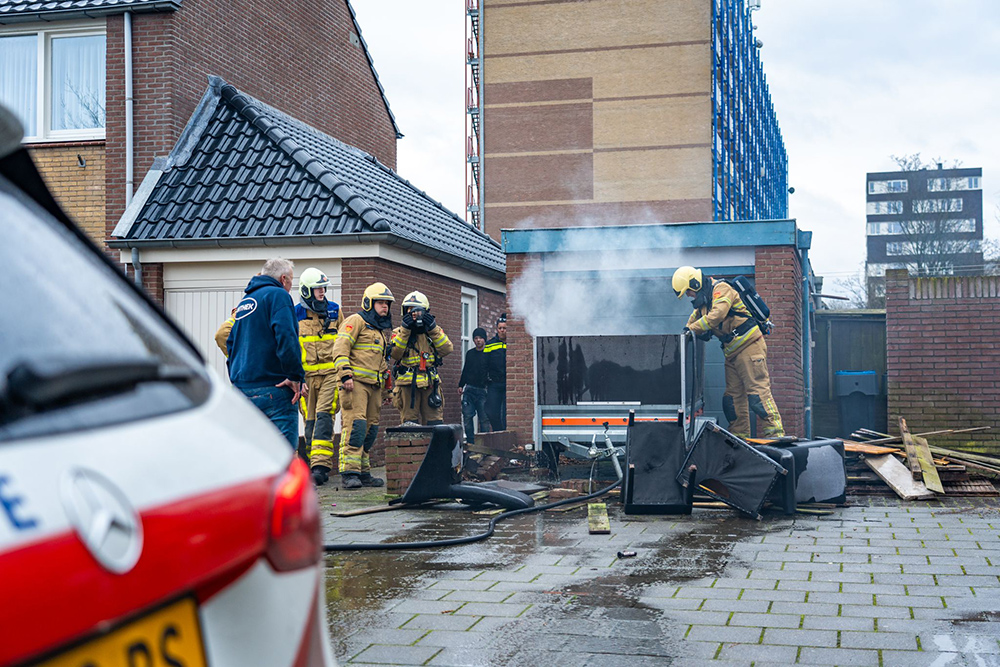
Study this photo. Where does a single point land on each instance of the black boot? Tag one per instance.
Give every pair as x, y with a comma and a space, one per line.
350, 480
320, 475
368, 480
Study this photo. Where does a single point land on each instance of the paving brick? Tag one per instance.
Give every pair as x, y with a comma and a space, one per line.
806, 608
868, 611
961, 642
426, 606
878, 640
838, 656
765, 620
824, 638
468, 639
909, 601
751, 606
814, 622
782, 595
708, 593
396, 655
720, 633
477, 596
440, 622
492, 609
757, 653
462, 585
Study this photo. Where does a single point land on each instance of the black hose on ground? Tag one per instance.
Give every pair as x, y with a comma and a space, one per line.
455, 541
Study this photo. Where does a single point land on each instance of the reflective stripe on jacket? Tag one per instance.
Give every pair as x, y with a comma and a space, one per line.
422, 345
721, 318
496, 361
359, 352
317, 343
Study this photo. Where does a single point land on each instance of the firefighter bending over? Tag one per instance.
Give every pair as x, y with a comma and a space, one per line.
719, 310
359, 358
319, 318
418, 347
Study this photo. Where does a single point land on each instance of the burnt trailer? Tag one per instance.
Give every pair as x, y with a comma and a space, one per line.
586, 386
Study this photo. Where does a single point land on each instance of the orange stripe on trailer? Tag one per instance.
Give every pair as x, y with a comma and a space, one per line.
599, 421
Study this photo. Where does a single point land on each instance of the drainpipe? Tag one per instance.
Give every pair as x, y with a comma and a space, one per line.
129, 175
805, 241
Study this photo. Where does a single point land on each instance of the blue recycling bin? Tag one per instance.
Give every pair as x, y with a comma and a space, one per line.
857, 392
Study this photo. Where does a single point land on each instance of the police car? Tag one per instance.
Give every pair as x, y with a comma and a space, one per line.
149, 515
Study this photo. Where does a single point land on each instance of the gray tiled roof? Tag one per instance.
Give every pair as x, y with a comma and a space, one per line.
244, 172
31, 10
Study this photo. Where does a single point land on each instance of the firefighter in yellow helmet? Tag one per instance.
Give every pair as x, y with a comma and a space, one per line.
359, 359
719, 310
318, 318
418, 348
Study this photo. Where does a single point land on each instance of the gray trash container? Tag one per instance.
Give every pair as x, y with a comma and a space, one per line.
857, 392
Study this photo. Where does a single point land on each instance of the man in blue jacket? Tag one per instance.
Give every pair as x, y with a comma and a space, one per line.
265, 361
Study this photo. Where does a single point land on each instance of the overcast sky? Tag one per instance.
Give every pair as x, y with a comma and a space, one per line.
853, 82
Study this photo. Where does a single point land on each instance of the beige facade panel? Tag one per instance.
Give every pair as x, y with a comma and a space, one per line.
529, 92
595, 213
624, 73
520, 27
667, 121
645, 175
540, 178
547, 127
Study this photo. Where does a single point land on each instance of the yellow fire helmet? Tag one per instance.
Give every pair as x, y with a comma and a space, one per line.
685, 278
376, 292
310, 278
416, 300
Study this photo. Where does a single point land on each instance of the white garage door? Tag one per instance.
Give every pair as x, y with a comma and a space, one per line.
200, 313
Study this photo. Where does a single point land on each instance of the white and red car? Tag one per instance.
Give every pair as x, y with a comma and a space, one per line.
149, 515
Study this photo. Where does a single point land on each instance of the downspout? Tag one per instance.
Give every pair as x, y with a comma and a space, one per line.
805, 241
129, 175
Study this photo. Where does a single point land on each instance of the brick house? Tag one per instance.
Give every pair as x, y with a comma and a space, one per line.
105, 86
246, 182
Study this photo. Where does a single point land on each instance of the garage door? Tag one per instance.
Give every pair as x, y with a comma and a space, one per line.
200, 312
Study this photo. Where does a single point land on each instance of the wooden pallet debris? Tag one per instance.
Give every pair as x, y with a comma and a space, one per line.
912, 461
896, 475
597, 519
930, 474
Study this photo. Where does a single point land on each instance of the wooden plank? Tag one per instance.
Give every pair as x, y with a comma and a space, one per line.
865, 448
896, 438
568, 508
931, 479
898, 477
597, 519
911, 451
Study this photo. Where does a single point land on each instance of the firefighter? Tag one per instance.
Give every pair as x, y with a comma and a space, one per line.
719, 311
360, 361
418, 348
222, 335
319, 319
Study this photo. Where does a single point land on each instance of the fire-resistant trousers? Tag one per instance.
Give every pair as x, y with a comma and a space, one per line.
359, 411
748, 388
321, 407
420, 412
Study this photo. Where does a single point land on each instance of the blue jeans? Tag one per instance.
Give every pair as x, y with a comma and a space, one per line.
474, 402
276, 404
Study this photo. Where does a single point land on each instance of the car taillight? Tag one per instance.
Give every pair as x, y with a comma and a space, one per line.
294, 539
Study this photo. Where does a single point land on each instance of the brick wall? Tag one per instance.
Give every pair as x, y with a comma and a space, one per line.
491, 306
445, 296
943, 366
778, 278
78, 189
300, 59
520, 362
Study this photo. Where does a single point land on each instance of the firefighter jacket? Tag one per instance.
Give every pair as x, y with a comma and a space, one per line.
359, 352
316, 340
727, 318
222, 335
417, 361
496, 361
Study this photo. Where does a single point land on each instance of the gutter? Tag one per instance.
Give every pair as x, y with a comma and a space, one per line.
8, 18
316, 240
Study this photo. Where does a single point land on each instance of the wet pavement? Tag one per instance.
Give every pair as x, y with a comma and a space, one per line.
881, 582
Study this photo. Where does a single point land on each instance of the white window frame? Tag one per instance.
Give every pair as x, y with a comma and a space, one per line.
954, 226
948, 205
959, 183
43, 102
470, 298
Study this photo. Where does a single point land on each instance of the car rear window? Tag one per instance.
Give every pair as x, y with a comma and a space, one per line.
61, 303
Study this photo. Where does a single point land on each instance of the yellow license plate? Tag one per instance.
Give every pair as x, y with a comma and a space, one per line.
167, 637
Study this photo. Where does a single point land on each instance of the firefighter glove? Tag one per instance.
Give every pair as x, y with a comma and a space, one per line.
428, 321
408, 321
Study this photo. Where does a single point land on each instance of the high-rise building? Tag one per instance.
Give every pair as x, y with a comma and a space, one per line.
619, 112
929, 221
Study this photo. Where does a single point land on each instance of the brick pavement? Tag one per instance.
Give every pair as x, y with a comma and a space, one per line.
877, 583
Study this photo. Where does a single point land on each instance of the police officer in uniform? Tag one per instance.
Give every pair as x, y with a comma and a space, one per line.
418, 347
719, 311
319, 318
496, 376
359, 359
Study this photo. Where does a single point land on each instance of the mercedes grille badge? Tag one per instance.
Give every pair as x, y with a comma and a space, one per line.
103, 519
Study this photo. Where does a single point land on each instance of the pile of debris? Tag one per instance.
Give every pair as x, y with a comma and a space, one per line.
914, 469
494, 454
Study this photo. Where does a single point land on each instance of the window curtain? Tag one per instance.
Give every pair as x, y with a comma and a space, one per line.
19, 79
78, 90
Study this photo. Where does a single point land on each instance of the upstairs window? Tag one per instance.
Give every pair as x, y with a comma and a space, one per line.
937, 205
54, 81
882, 187
961, 183
885, 207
